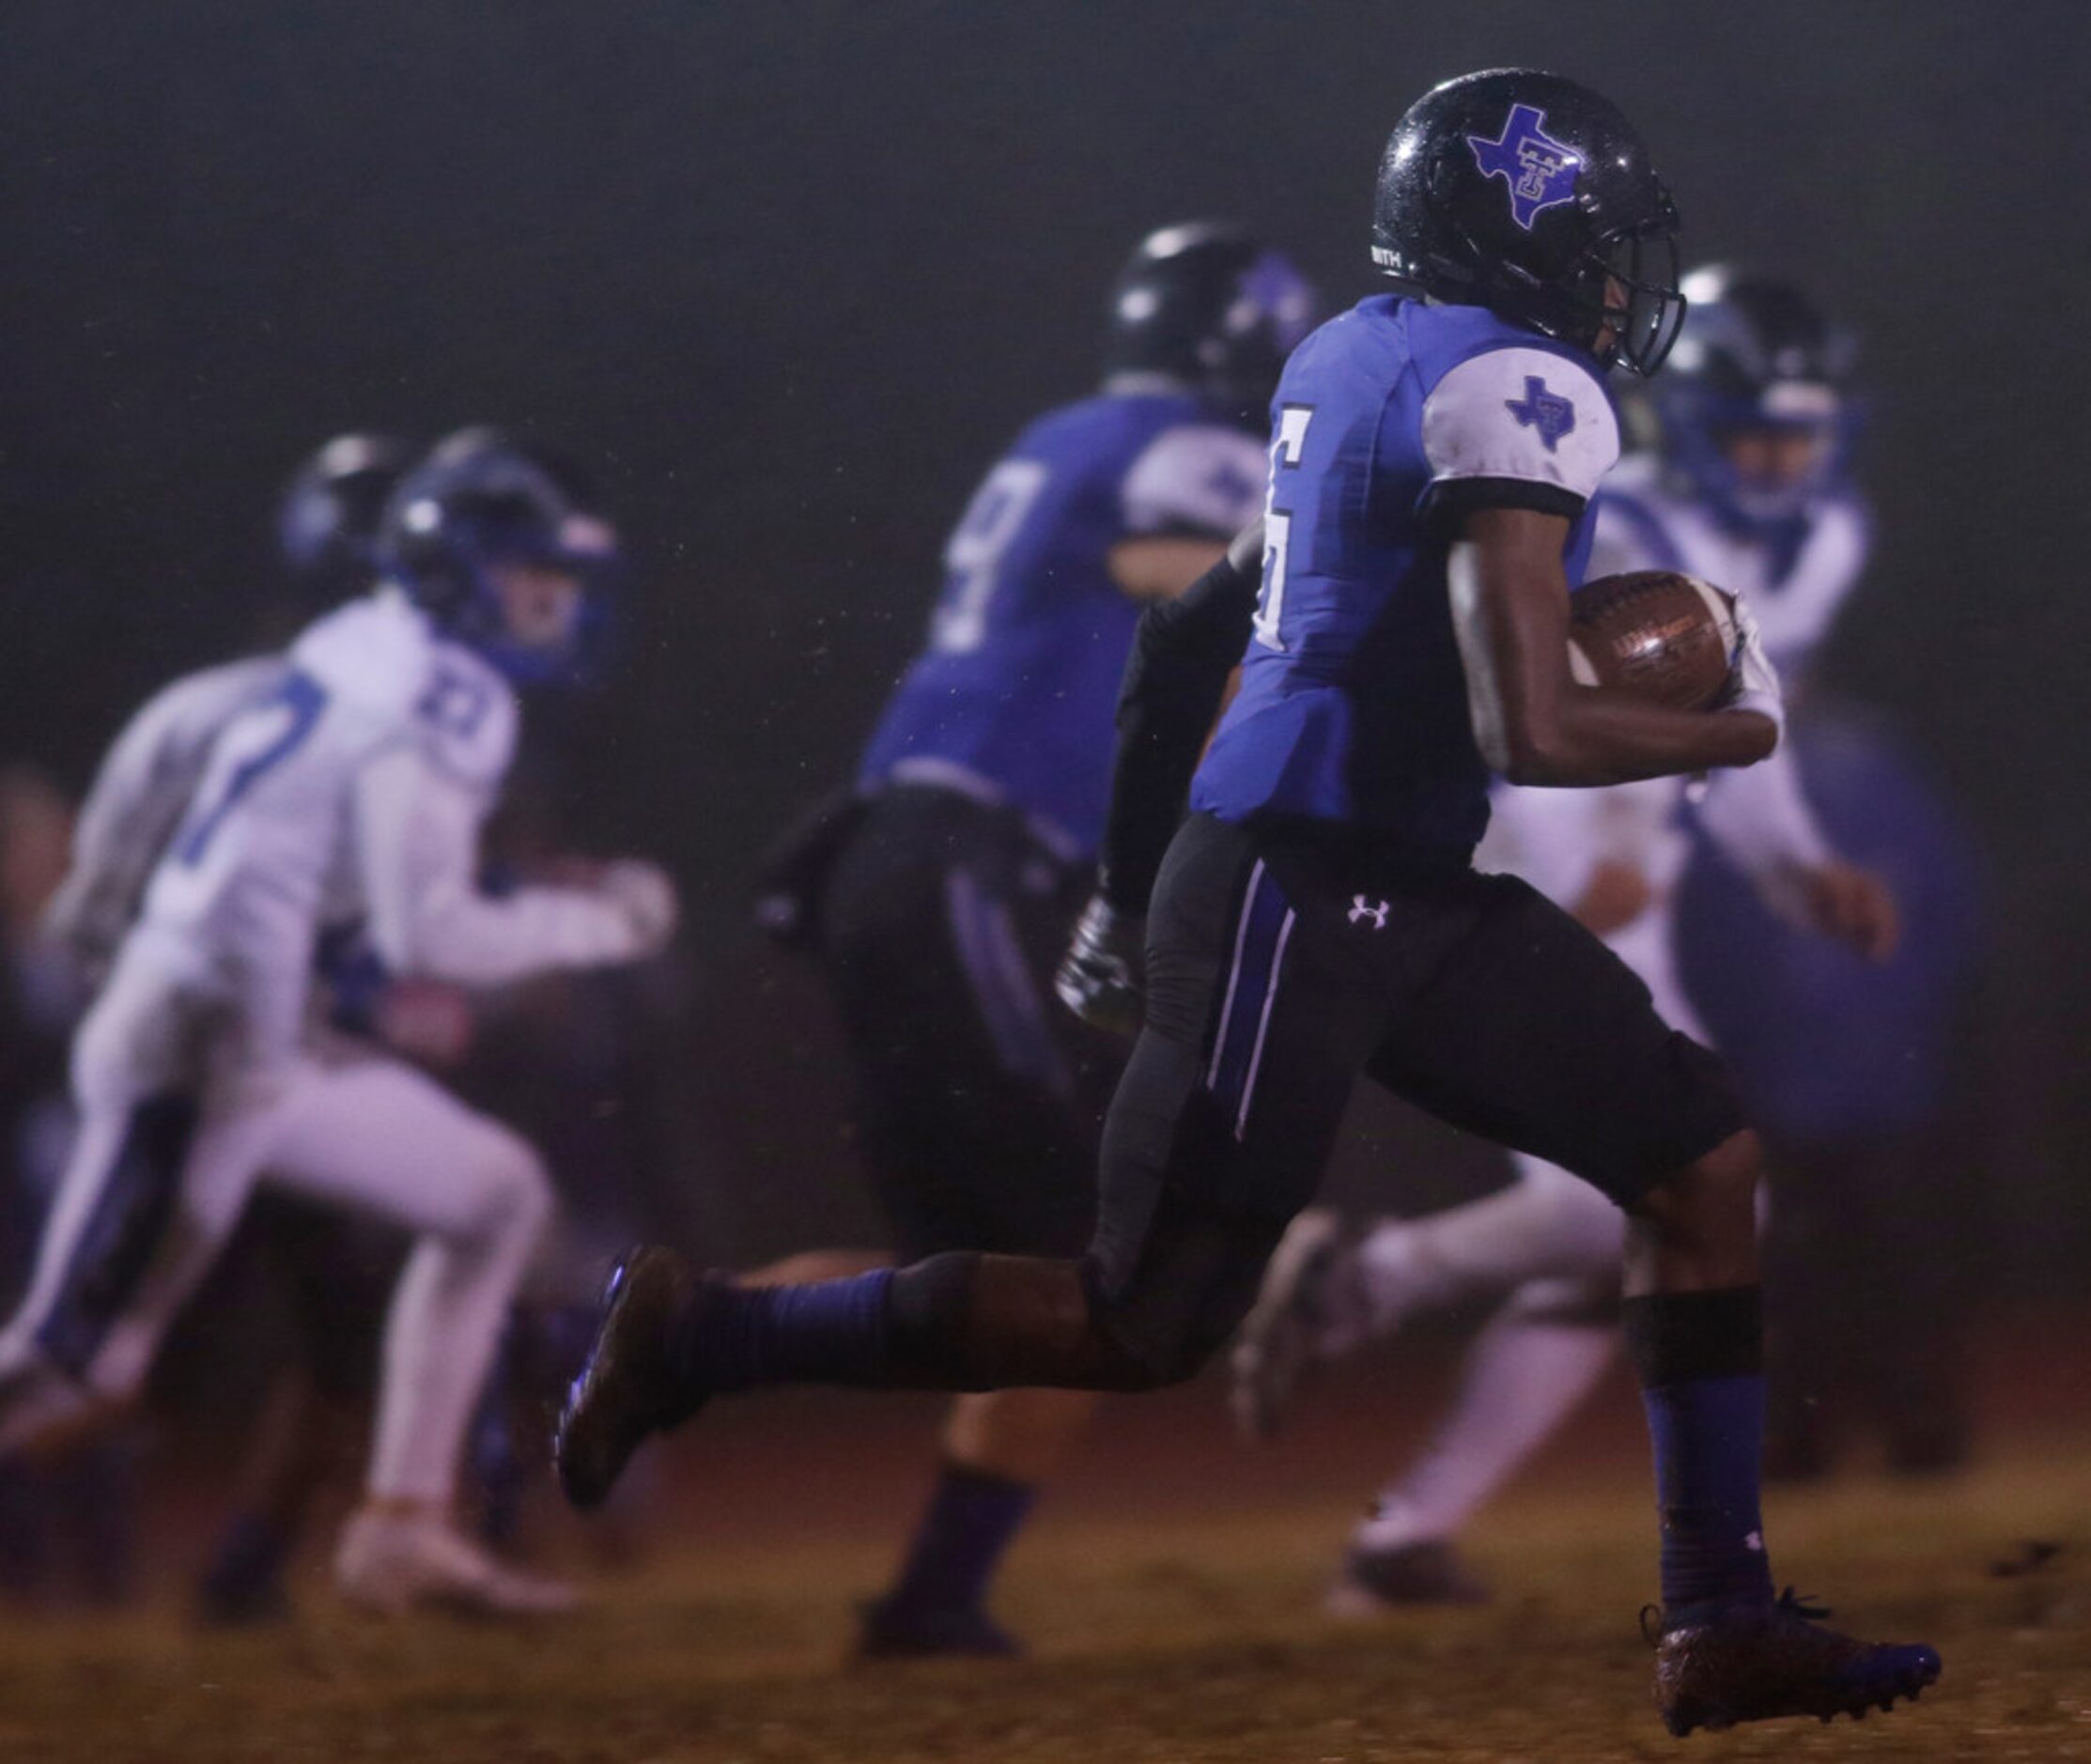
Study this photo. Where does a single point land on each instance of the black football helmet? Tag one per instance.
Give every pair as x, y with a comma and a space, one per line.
327, 523
1756, 354
1531, 195
1208, 304
481, 499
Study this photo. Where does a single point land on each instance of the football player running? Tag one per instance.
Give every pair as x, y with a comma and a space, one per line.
1749, 490
1432, 457
352, 786
940, 895
334, 1271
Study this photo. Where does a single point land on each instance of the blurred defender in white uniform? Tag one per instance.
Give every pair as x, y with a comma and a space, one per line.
347, 780
1747, 491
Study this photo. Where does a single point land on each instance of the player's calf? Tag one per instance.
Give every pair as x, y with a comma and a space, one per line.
671, 1338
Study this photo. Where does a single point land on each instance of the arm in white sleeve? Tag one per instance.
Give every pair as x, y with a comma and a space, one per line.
140, 793
1760, 819
93, 905
417, 833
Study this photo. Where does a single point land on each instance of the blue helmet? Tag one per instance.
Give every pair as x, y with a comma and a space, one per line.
1756, 355
327, 523
482, 499
1206, 303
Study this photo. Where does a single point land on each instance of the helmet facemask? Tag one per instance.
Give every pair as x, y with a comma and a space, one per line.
1757, 410
1641, 309
1703, 430
497, 545
520, 592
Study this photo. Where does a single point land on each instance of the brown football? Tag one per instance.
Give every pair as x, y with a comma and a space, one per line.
1653, 632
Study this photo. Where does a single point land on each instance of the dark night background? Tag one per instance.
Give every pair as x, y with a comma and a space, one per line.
790, 272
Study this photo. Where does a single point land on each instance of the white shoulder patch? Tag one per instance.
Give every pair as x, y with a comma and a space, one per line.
1200, 478
1521, 413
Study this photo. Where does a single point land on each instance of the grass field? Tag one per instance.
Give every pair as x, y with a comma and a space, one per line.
1171, 1594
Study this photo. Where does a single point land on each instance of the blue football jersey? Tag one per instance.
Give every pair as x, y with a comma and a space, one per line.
1352, 707
1016, 692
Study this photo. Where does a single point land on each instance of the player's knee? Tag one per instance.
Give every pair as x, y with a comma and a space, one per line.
1712, 1197
1579, 1302
516, 1193
530, 1199
1147, 1352
1727, 1178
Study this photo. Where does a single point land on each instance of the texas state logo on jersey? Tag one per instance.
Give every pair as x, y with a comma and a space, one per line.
1016, 692
1795, 574
1388, 420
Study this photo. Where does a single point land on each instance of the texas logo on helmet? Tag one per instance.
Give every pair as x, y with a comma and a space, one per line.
1539, 170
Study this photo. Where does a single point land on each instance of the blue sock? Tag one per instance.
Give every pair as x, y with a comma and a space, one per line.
970, 1521
1700, 1358
826, 1332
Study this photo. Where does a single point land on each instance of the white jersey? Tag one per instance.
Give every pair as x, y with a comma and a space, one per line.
139, 795
1555, 837
349, 778
356, 788
1646, 521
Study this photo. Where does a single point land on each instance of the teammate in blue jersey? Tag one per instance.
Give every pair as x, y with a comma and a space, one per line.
944, 893
1097, 507
1431, 459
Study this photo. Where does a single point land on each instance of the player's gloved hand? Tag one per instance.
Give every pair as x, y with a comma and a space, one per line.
1753, 681
1099, 977
642, 893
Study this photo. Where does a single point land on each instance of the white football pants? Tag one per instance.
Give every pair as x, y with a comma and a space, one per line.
365, 1134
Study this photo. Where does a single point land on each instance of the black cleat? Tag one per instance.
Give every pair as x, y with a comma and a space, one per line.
1760, 1664
244, 1587
892, 1629
1426, 1572
628, 1387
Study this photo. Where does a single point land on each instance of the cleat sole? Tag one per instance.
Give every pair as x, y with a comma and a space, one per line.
1688, 1717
